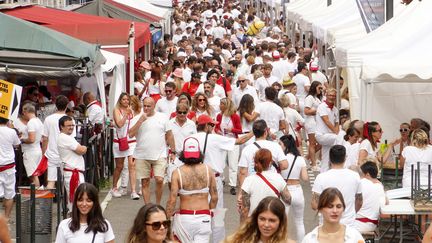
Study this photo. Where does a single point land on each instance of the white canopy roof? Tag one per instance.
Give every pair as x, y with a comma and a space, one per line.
294, 10
385, 38
146, 6
319, 13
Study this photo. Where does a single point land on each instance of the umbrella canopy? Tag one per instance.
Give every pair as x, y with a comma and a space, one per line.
29, 47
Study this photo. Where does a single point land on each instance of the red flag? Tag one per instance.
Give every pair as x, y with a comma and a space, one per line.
42, 167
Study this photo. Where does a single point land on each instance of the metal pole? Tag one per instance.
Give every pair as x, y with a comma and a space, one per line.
389, 9
32, 213
131, 58
59, 197
18, 217
338, 93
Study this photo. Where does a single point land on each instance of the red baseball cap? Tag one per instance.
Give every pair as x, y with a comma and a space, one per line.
204, 119
191, 148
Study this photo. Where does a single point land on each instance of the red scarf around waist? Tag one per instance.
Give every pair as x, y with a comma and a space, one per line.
6, 167
74, 182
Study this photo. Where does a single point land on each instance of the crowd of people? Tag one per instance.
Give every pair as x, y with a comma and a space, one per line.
213, 96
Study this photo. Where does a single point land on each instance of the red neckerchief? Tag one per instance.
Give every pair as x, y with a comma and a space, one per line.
94, 103
329, 105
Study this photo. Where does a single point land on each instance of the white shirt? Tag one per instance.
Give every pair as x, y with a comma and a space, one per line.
348, 183
367, 146
413, 155
166, 106
351, 236
352, 153
301, 81
248, 154
262, 83
333, 116
238, 94
9, 139
373, 198
95, 113
216, 145
271, 114
34, 125
319, 76
292, 117
66, 147
291, 96
218, 90
181, 132
299, 164
219, 32
51, 131
65, 235
151, 143
187, 74
311, 102
258, 189
280, 69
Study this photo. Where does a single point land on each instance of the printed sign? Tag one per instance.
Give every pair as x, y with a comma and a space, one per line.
10, 97
372, 13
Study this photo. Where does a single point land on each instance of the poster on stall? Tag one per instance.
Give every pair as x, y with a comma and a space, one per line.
10, 97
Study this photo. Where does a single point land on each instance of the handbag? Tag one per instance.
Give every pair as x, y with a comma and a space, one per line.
123, 142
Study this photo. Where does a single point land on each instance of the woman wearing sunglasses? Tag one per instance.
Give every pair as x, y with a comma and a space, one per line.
150, 225
201, 105
87, 223
372, 133
193, 182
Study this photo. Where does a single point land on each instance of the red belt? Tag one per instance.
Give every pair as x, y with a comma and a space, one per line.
130, 141
6, 167
74, 182
367, 220
195, 212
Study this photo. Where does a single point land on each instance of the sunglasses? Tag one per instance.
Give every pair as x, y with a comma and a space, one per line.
168, 91
403, 130
379, 130
201, 100
241, 81
182, 112
157, 225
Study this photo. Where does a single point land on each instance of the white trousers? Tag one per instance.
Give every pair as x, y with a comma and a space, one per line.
192, 228
364, 227
297, 210
219, 232
327, 141
233, 158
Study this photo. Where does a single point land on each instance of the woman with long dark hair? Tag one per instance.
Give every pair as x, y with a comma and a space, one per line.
246, 110
268, 223
87, 223
312, 100
193, 182
372, 133
151, 224
156, 86
295, 172
351, 145
201, 105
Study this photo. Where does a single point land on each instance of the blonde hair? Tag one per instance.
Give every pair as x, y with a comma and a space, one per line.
230, 107
135, 103
285, 101
419, 138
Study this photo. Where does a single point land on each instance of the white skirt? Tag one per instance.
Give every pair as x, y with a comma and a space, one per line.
31, 161
122, 154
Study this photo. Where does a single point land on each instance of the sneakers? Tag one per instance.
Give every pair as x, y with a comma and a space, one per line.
134, 196
233, 191
115, 193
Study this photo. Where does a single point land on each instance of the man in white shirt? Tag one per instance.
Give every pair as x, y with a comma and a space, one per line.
292, 65
50, 134
242, 89
219, 31
187, 72
181, 128
94, 111
71, 154
153, 135
167, 104
270, 112
328, 132
303, 83
212, 146
316, 74
30, 144
280, 67
87, 84
213, 100
265, 81
7, 164
246, 162
345, 180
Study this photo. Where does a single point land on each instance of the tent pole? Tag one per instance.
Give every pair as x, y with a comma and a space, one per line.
338, 93
131, 58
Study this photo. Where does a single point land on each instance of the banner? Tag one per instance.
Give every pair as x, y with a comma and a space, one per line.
10, 98
372, 13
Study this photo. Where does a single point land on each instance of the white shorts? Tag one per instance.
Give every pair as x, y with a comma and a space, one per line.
310, 126
31, 161
7, 184
52, 169
171, 167
122, 154
192, 228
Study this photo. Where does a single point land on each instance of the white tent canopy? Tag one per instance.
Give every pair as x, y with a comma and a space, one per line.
319, 13
294, 9
388, 71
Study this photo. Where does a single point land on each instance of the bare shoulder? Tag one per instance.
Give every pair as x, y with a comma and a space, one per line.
290, 241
